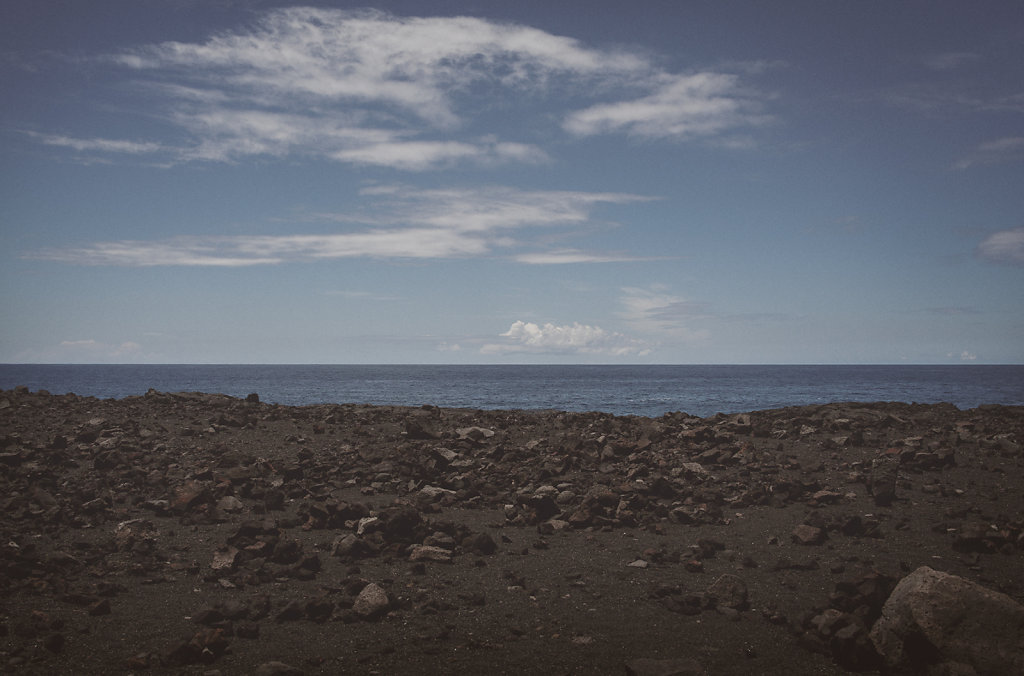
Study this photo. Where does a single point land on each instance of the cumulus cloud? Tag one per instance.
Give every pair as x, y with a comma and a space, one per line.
1005, 247
573, 338
367, 87
400, 222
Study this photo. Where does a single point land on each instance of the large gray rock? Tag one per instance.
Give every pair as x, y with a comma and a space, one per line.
937, 618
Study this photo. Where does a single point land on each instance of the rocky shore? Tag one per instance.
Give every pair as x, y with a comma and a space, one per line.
202, 534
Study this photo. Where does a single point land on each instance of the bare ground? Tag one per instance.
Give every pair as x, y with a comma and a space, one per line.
195, 533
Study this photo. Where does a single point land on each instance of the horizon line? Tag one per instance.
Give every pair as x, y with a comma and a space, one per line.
211, 363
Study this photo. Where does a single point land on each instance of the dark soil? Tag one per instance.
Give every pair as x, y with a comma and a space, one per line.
195, 533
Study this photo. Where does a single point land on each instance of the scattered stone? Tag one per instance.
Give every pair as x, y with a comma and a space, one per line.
480, 543
372, 602
429, 553
882, 481
434, 492
230, 504
478, 434
224, 559
809, 535
54, 642
293, 610
190, 495
729, 591
108, 503
420, 430
645, 666
101, 607
277, 668
353, 547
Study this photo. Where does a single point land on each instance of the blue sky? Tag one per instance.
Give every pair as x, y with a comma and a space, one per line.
512, 182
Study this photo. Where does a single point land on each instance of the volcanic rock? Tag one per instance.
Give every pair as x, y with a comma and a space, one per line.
645, 666
371, 603
934, 617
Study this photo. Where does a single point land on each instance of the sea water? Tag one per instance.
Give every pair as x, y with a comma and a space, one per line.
648, 390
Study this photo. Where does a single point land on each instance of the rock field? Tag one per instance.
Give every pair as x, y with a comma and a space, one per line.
202, 534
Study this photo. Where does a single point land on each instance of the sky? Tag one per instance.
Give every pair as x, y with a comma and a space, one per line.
467, 181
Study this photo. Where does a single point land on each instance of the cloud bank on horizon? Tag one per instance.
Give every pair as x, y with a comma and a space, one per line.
650, 198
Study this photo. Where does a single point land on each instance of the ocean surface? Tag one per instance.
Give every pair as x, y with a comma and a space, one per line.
622, 390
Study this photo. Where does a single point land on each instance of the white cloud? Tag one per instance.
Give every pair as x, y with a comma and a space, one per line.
656, 307
191, 251
366, 87
947, 97
567, 256
361, 295
1008, 149
968, 356
402, 222
87, 350
573, 338
304, 79
655, 310
498, 207
950, 60
683, 107
101, 145
270, 249
1005, 246
412, 64
420, 155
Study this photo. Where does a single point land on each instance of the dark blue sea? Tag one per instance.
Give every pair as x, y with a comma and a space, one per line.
622, 390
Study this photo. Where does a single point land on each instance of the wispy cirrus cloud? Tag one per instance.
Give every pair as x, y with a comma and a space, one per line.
370, 88
421, 155
681, 107
567, 256
99, 145
655, 309
574, 338
999, 151
953, 97
397, 222
1005, 247
950, 60
85, 350
953, 311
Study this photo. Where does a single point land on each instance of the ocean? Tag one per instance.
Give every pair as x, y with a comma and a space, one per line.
622, 390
